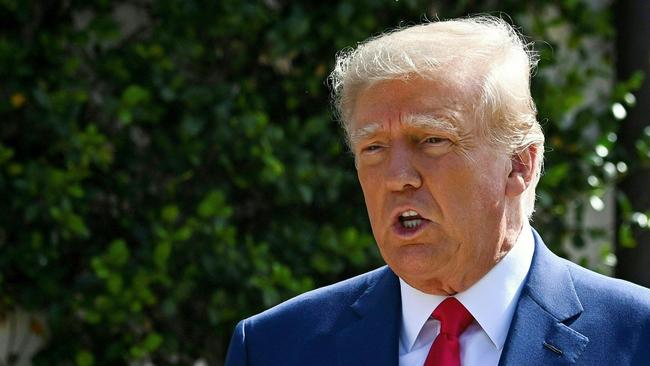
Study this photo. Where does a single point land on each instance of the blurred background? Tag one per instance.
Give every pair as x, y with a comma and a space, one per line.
170, 167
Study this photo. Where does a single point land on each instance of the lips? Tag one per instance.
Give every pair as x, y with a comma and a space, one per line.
408, 222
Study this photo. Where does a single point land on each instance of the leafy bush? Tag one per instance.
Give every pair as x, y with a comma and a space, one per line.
169, 167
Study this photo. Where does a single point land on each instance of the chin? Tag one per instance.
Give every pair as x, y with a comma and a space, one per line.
413, 266
421, 265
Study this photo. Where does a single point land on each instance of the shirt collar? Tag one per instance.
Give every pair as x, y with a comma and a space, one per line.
491, 300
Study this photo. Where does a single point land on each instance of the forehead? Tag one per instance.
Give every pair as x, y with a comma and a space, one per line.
402, 100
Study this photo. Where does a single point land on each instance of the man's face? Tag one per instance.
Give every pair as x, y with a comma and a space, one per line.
434, 188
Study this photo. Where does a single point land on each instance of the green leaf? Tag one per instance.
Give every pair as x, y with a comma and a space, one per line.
214, 205
626, 237
118, 253
84, 358
161, 253
134, 95
170, 213
556, 174
152, 342
76, 224
114, 283
6, 154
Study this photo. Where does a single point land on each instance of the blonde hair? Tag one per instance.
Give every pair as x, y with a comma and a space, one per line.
484, 51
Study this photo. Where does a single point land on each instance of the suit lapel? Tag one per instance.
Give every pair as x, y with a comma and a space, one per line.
540, 332
372, 338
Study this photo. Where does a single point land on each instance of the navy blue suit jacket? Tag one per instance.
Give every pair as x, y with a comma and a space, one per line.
565, 315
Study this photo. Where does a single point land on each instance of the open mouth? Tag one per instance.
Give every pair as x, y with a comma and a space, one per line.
410, 220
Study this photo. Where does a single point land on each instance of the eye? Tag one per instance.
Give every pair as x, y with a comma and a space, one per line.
371, 148
434, 140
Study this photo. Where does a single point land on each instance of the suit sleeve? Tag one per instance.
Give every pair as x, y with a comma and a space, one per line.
236, 355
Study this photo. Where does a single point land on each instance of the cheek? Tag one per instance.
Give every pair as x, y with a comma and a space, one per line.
371, 187
472, 187
486, 190
493, 176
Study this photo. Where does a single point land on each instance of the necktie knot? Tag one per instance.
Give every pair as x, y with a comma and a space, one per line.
453, 317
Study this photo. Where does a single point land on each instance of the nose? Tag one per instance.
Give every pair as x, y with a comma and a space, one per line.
402, 174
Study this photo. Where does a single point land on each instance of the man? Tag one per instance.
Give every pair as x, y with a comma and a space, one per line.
448, 153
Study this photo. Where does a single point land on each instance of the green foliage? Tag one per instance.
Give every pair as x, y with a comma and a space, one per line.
170, 167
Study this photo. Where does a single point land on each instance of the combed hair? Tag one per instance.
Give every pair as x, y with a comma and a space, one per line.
482, 52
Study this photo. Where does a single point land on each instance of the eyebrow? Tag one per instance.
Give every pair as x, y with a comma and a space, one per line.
364, 132
427, 121
420, 121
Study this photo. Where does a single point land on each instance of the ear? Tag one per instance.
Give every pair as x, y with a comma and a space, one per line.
522, 171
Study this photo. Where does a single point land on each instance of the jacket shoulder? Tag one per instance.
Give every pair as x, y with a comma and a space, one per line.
592, 286
308, 326
319, 308
616, 316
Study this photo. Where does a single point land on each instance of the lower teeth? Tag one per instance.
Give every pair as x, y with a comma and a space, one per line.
411, 224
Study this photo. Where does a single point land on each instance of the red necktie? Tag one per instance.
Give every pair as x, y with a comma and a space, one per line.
454, 318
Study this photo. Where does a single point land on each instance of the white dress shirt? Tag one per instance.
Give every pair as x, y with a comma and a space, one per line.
491, 301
